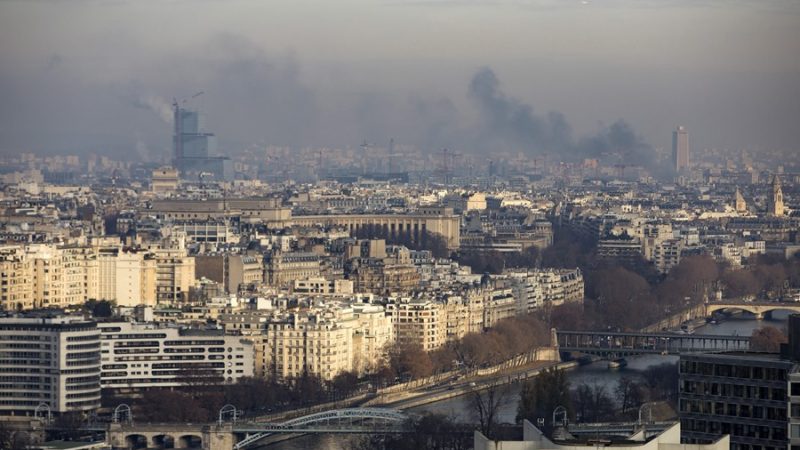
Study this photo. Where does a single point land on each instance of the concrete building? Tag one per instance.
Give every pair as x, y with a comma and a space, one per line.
53, 361
680, 149
147, 355
744, 395
175, 274
323, 286
535, 439
270, 212
135, 279
196, 150
206, 231
667, 254
243, 271
164, 179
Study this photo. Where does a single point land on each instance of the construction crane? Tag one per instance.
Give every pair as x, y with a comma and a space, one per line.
620, 170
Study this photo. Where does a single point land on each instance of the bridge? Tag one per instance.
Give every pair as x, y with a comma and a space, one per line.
348, 420
239, 435
758, 309
617, 428
611, 343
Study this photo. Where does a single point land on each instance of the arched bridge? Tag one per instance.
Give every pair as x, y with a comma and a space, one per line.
609, 343
349, 420
145, 436
223, 436
758, 309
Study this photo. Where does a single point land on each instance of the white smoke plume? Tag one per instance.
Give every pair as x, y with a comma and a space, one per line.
155, 104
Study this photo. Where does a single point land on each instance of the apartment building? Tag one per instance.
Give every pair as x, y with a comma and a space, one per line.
527, 291
135, 279
322, 286
394, 273
147, 355
62, 276
16, 279
499, 305
560, 286
318, 343
418, 321
285, 267
464, 313
372, 334
667, 254
243, 271
175, 274
53, 361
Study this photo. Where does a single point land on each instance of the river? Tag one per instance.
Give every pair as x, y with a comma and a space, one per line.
460, 408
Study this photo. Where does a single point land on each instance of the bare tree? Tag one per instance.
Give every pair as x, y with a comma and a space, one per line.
487, 404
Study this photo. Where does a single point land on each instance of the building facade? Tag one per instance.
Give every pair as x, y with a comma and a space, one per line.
680, 148
744, 395
147, 355
49, 361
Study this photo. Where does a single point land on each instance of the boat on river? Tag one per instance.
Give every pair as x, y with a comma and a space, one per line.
617, 363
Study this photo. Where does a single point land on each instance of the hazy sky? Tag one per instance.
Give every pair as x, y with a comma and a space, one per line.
96, 75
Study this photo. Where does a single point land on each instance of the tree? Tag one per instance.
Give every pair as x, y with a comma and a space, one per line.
740, 283
344, 384
101, 308
409, 360
662, 381
570, 316
628, 393
593, 402
543, 394
623, 298
767, 339
429, 431
486, 405
164, 405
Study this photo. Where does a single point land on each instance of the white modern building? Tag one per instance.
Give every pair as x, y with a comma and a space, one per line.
148, 355
534, 439
49, 363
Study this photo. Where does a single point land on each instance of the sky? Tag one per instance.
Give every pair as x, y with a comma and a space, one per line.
536, 76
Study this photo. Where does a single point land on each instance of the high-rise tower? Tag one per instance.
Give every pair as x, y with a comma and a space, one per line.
195, 151
680, 148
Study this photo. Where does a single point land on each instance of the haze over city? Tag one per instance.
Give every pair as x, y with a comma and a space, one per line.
96, 76
399, 224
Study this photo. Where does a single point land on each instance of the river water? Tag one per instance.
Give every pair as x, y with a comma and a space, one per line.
460, 408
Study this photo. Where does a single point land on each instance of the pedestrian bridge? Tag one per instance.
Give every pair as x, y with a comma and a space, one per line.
758, 309
348, 420
241, 434
618, 344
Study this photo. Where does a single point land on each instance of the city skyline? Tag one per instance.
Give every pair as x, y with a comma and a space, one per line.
274, 86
